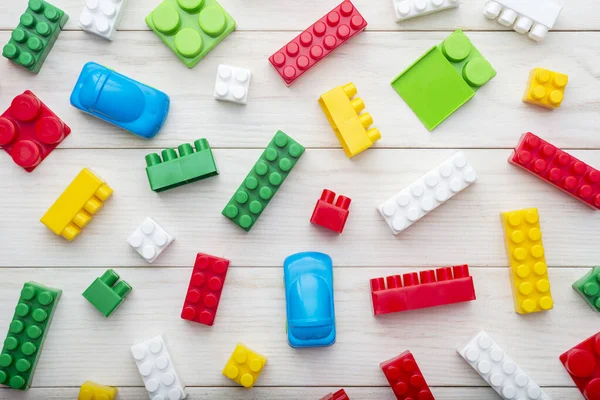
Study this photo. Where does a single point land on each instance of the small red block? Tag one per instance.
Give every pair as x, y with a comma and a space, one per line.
329, 215
339, 395
582, 362
405, 378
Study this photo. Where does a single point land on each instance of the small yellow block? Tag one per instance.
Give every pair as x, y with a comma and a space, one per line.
93, 391
74, 208
528, 269
244, 366
545, 88
343, 115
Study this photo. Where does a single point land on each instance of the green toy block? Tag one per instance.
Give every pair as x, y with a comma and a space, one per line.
190, 28
443, 79
261, 184
31, 42
104, 295
172, 171
26, 334
588, 287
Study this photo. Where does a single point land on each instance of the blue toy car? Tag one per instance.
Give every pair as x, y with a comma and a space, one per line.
308, 279
120, 100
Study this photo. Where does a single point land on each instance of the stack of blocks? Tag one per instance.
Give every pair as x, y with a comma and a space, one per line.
244, 366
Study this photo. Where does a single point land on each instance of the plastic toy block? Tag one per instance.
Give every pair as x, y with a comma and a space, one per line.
106, 294
172, 170
157, 370
29, 131
545, 88
582, 362
26, 334
499, 370
328, 215
263, 181
407, 9
443, 79
537, 18
32, 40
405, 378
244, 366
443, 286
150, 240
232, 84
204, 292
190, 28
588, 287
93, 391
102, 17
74, 209
349, 126
427, 193
558, 168
339, 395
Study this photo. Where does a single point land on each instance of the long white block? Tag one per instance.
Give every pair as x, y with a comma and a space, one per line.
406, 9
102, 17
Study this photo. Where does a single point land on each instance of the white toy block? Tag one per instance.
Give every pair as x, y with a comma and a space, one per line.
499, 370
406, 9
536, 17
427, 193
232, 84
157, 370
102, 17
150, 240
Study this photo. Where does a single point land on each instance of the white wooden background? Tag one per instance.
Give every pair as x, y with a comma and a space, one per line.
83, 345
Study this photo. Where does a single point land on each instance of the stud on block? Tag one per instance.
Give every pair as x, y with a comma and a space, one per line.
545, 88
588, 287
94, 391
102, 17
405, 378
329, 215
150, 240
535, 18
582, 363
339, 395
232, 84
244, 366
106, 293
407, 9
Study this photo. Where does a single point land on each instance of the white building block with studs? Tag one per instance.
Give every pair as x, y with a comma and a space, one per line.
102, 17
499, 370
427, 193
157, 370
536, 17
150, 240
406, 9
232, 84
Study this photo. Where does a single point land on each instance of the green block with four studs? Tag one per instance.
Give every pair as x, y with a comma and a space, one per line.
588, 287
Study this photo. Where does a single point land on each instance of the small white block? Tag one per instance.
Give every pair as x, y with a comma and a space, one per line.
406, 9
427, 193
102, 17
150, 240
232, 84
535, 17
157, 370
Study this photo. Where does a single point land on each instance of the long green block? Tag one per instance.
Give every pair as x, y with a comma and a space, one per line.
443, 79
174, 170
106, 294
31, 41
588, 287
263, 181
26, 334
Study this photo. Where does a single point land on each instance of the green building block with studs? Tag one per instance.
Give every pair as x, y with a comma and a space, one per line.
26, 334
588, 287
31, 42
263, 181
106, 294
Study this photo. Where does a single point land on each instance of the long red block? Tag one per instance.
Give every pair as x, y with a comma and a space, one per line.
405, 378
436, 288
331, 216
339, 395
583, 364
206, 284
318, 41
29, 131
558, 168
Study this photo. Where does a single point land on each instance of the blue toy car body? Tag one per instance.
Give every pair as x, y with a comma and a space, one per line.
120, 100
308, 280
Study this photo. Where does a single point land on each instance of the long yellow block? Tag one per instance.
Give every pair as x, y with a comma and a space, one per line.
93, 391
74, 208
528, 269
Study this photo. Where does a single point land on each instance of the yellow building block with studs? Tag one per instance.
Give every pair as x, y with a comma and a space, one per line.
73, 210
545, 88
244, 366
528, 269
93, 391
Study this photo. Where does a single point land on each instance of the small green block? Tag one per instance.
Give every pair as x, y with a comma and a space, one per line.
26, 334
172, 170
190, 28
106, 294
263, 181
31, 42
588, 287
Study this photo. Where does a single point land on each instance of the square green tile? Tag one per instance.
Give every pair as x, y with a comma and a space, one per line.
588, 287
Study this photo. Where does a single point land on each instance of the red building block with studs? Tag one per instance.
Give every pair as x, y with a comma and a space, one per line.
405, 378
583, 364
29, 131
328, 215
558, 168
204, 292
443, 286
339, 395
318, 41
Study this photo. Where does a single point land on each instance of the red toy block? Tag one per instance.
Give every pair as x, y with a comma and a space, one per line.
29, 131
583, 364
339, 395
328, 215
318, 41
204, 292
436, 288
405, 378
558, 168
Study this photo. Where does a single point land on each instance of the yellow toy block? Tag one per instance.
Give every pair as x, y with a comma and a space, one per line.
74, 208
244, 366
343, 115
93, 391
545, 88
528, 269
